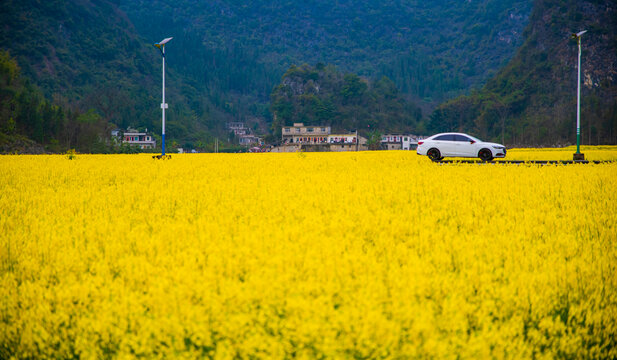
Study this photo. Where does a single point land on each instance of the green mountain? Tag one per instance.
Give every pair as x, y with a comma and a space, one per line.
227, 56
432, 50
87, 56
321, 95
532, 101
79, 51
28, 119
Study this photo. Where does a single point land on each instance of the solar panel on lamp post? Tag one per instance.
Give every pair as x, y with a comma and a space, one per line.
161, 46
578, 156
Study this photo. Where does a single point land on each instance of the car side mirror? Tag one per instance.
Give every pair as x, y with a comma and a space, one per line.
472, 141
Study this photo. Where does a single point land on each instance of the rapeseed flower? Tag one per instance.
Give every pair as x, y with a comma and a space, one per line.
324, 255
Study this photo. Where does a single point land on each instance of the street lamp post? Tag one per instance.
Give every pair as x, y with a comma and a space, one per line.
578, 156
161, 46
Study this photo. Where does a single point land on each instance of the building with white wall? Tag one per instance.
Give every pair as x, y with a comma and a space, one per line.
141, 139
300, 134
318, 138
399, 141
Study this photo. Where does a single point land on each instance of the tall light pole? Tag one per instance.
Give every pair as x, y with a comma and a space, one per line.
161, 46
578, 155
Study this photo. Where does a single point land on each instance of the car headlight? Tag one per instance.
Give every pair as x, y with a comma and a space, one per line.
499, 147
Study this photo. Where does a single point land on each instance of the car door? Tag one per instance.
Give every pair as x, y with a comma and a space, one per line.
465, 146
445, 144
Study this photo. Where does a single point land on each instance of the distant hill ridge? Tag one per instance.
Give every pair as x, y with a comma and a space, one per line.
226, 58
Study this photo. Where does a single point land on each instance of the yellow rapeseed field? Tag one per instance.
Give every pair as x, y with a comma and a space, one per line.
307, 255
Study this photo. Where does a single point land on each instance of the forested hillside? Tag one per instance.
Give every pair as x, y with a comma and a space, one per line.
86, 56
532, 101
321, 95
226, 57
28, 120
431, 50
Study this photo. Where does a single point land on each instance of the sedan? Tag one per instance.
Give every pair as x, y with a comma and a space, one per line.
459, 145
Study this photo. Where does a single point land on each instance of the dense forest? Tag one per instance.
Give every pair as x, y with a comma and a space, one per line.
86, 57
28, 119
321, 95
239, 51
532, 100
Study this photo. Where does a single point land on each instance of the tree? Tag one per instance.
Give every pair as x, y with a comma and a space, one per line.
325, 96
374, 140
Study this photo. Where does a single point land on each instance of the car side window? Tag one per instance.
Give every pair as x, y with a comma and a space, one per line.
462, 138
445, 138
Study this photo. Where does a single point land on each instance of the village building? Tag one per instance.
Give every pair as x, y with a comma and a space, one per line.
237, 128
250, 140
300, 134
347, 142
399, 141
136, 138
318, 138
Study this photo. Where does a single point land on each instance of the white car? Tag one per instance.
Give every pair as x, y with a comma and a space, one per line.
459, 145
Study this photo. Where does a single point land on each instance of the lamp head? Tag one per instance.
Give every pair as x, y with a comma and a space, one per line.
578, 34
163, 42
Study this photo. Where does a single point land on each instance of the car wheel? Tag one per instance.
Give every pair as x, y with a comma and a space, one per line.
434, 154
485, 155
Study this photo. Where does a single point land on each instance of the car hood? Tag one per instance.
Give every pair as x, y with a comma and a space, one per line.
492, 144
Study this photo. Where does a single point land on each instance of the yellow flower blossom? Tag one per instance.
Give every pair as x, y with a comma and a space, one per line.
367, 255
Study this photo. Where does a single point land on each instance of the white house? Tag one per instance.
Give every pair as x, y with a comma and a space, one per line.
141, 139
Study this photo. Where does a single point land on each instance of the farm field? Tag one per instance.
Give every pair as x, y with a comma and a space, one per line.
592, 153
599, 153
307, 255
